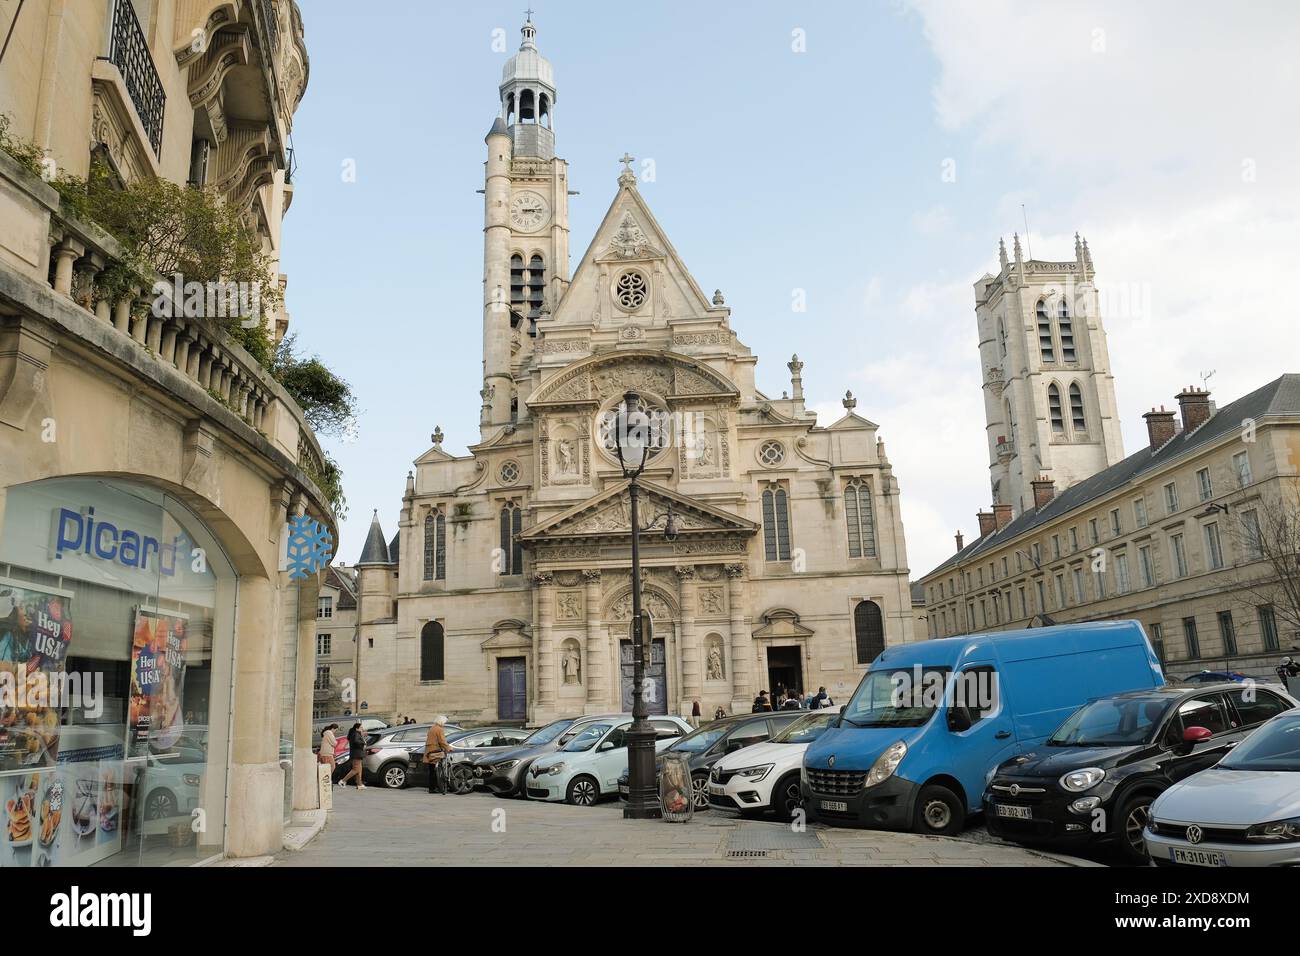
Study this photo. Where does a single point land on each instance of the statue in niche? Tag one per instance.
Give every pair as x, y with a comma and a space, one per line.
564, 450
714, 671
571, 664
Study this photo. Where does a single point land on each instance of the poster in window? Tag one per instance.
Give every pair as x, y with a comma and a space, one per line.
35, 631
157, 678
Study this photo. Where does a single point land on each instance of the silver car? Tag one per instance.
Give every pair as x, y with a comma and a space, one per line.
1244, 811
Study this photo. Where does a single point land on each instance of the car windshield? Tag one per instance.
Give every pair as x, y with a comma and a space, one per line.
700, 740
586, 738
885, 698
805, 730
1112, 722
544, 735
1275, 746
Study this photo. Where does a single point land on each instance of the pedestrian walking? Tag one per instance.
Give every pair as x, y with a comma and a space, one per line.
436, 749
695, 713
356, 752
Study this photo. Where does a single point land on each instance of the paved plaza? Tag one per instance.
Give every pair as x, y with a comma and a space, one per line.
378, 827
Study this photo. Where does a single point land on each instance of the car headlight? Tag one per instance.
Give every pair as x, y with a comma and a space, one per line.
988, 777
1279, 832
503, 766
555, 769
1085, 805
1078, 781
755, 773
886, 764
191, 779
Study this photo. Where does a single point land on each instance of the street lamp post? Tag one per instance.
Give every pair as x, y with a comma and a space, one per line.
633, 442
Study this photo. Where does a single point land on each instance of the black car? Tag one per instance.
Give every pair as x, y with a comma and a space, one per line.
1094, 780
707, 745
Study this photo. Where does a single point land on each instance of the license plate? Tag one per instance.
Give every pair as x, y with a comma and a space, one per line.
839, 805
716, 790
1015, 813
1196, 857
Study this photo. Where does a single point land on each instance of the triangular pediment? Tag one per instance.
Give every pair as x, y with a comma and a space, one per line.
607, 516
852, 421
630, 238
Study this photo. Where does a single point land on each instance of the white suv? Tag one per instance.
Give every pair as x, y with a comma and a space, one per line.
764, 777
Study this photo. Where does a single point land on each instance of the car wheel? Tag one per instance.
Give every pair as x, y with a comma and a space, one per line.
462, 779
787, 798
939, 812
393, 776
1133, 819
583, 792
700, 791
160, 805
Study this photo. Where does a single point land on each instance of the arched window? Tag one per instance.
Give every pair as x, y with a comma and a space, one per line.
546, 110
536, 286
435, 546
1054, 409
1045, 347
776, 524
432, 652
512, 551
868, 631
527, 114
861, 523
510, 109
1065, 327
517, 305
1077, 417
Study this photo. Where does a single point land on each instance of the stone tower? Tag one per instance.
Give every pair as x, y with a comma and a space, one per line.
525, 228
1049, 395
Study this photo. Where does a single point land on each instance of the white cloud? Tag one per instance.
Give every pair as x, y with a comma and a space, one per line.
1137, 136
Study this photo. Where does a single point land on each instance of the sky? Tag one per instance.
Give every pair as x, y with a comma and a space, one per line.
864, 157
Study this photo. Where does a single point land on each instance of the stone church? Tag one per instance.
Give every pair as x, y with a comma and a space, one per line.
506, 592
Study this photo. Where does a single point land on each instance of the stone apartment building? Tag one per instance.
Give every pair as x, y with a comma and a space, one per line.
1176, 536
149, 465
334, 690
506, 593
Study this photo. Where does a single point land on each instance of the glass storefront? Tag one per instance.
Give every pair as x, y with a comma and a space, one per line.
117, 612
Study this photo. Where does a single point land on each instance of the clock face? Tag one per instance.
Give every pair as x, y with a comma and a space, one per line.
528, 211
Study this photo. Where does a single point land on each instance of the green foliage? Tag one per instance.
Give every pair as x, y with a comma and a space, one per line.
330, 481
326, 399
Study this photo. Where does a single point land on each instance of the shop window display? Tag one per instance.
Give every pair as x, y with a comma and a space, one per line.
116, 638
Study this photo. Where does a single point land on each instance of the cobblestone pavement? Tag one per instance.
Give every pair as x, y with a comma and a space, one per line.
378, 827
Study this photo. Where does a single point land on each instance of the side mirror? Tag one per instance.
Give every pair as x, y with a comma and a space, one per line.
1194, 735
606, 745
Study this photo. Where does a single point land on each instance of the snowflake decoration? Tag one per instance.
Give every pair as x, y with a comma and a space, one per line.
310, 547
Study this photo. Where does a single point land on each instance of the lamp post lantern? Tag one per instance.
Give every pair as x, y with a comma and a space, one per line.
634, 438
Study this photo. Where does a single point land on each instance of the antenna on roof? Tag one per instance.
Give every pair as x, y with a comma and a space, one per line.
1028, 245
1206, 376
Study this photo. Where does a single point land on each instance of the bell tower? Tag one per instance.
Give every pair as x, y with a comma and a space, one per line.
525, 226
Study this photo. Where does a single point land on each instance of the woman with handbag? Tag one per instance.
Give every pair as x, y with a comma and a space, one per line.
436, 749
356, 753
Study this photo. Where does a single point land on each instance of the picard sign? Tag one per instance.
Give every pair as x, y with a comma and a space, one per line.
81, 533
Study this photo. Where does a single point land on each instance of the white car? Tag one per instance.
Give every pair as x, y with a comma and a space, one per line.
764, 777
589, 765
1244, 811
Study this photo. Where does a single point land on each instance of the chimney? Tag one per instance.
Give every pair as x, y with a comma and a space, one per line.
1194, 407
960, 542
1001, 516
1044, 490
1160, 427
987, 522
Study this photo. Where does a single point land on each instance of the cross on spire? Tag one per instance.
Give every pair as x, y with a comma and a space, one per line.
627, 162
528, 14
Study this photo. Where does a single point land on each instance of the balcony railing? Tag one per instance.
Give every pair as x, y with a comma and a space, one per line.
129, 51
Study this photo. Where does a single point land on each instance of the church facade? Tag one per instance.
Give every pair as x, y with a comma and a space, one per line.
506, 592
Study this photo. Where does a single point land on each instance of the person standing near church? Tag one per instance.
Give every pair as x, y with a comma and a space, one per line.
436, 750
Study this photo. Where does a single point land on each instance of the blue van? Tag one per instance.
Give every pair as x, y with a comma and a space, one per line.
930, 720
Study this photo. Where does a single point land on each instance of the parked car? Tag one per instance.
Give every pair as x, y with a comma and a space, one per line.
1243, 812
708, 744
1093, 781
764, 777
504, 772
368, 724
465, 746
588, 766
403, 738
907, 753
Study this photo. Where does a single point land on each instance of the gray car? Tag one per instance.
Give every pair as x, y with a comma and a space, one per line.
502, 772
388, 752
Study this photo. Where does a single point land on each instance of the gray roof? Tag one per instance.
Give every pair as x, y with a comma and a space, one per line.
498, 127
394, 549
375, 551
1279, 397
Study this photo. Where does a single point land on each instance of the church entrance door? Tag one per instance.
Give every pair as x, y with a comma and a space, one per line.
784, 671
512, 688
656, 674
